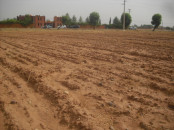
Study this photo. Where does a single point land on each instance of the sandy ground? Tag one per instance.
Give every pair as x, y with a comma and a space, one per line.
85, 79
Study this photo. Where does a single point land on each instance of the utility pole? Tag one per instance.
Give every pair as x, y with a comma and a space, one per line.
124, 15
129, 10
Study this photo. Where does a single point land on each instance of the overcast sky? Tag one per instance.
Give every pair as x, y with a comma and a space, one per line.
141, 10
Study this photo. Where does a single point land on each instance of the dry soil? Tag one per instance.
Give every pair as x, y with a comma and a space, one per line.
86, 79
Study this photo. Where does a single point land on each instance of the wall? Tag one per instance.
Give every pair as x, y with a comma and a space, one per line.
15, 26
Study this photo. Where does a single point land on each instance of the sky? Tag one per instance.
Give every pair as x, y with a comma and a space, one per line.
141, 10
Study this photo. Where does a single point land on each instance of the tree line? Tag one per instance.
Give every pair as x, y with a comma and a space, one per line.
27, 20
93, 19
118, 23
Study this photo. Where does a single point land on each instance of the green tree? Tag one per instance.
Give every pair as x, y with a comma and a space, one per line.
94, 18
27, 20
74, 20
80, 20
128, 19
66, 19
117, 23
9, 21
99, 23
110, 21
67, 15
156, 20
87, 20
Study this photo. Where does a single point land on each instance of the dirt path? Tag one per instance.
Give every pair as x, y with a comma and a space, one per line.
84, 79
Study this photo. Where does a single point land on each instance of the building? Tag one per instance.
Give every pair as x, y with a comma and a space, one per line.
39, 21
57, 21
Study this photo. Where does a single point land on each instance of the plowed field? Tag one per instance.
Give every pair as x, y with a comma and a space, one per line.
85, 79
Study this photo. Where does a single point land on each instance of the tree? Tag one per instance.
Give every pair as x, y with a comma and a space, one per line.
67, 15
87, 20
146, 26
94, 19
168, 28
27, 20
110, 21
156, 20
128, 19
117, 23
74, 19
99, 23
80, 20
66, 19
135, 25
